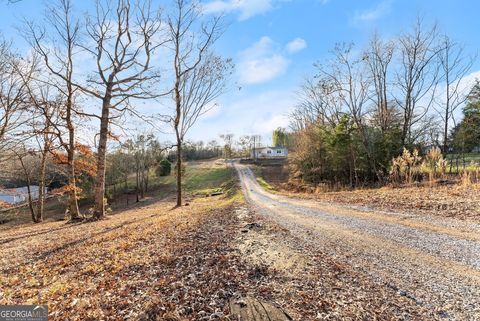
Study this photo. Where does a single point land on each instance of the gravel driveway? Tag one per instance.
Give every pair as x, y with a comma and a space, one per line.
435, 262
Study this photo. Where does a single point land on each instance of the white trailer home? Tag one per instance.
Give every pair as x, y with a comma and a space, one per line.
19, 194
269, 153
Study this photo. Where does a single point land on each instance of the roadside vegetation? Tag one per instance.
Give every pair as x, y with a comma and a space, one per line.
392, 125
264, 184
393, 112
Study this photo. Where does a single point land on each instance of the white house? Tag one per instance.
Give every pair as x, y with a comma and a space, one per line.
269, 152
19, 194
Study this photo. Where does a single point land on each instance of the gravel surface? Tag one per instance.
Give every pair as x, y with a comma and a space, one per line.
433, 261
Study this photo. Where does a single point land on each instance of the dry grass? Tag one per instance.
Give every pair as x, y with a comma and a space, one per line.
460, 201
440, 197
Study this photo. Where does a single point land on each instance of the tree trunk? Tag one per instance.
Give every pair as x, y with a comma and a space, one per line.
137, 180
142, 187
147, 171
445, 129
179, 172
41, 186
30, 202
99, 212
178, 102
72, 181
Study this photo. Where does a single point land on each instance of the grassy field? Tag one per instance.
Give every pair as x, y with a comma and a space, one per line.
468, 157
206, 177
468, 162
201, 179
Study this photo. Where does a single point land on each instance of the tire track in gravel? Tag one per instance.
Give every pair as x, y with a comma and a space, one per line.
433, 262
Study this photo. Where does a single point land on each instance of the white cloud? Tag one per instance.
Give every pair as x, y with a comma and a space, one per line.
245, 8
262, 70
296, 45
374, 13
458, 91
261, 62
267, 125
248, 114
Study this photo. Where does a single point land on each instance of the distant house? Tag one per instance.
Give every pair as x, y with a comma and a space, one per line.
269, 152
19, 194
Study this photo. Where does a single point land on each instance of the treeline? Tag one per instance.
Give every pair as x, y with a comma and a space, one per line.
365, 106
82, 81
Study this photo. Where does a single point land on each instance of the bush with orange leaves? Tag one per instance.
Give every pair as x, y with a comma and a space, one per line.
85, 167
4, 205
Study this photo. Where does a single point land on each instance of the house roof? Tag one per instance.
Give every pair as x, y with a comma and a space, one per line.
267, 147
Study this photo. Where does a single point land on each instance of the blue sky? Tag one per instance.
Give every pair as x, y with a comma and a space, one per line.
275, 43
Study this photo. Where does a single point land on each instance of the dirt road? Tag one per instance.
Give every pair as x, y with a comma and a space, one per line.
432, 261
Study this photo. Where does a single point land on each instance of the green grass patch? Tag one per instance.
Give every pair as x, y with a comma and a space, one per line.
264, 184
200, 178
204, 178
469, 157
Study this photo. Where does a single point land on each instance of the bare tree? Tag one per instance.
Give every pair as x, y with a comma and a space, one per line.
200, 77
245, 143
227, 145
379, 56
15, 74
417, 77
454, 66
124, 37
43, 125
318, 104
26, 158
58, 54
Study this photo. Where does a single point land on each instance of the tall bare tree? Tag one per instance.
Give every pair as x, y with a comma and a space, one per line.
317, 105
379, 56
417, 77
15, 74
47, 108
228, 145
123, 37
200, 77
58, 53
454, 66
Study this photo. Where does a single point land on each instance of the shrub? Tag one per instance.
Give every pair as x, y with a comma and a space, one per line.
434, 164
164, 168
405, 167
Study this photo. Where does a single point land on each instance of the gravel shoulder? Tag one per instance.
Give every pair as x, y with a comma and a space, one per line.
435, 262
